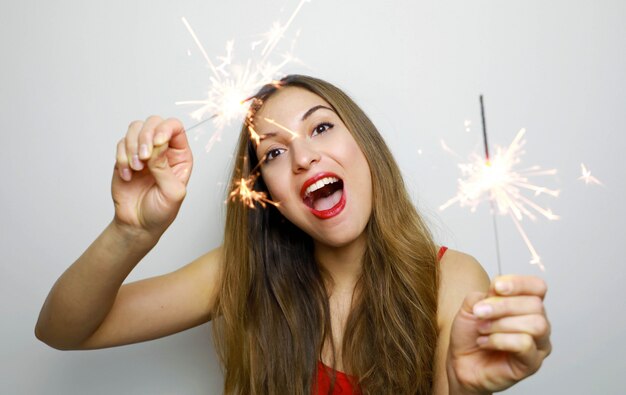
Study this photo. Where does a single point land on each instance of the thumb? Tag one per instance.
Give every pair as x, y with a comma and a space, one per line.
464, 331
172, 188
470, 300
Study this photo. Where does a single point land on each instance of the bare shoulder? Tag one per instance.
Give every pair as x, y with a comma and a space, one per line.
163, 305
460, 274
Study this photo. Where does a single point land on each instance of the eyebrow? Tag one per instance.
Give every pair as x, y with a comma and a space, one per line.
268, 135
313, 109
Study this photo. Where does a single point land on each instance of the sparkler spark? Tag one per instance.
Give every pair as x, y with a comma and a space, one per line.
254, 136
446, 148
587, 177
497, 180
245, 192
232, 83
286, 129
244, 189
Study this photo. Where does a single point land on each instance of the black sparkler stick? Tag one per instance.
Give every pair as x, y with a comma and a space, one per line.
493, 208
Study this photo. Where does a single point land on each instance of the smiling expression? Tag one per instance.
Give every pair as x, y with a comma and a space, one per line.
313, 166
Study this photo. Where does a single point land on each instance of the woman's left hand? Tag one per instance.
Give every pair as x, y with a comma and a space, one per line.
499, 338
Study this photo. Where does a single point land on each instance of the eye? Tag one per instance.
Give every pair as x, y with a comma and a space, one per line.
321, 128
273, 153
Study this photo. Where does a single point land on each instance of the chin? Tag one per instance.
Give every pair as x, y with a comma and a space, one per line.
340, 238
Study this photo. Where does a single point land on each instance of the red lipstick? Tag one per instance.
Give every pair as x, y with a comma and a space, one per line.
333, 211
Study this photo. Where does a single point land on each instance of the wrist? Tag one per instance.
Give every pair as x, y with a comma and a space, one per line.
130, 236
456, 387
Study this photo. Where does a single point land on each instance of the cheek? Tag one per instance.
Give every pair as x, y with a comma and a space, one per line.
276, 185
352, 154
363, 177
344, 150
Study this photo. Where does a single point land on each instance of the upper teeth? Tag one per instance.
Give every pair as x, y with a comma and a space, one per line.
320, 183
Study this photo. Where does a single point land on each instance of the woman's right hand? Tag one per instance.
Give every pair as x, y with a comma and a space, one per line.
153, 166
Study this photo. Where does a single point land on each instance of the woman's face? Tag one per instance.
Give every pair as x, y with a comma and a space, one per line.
313, 167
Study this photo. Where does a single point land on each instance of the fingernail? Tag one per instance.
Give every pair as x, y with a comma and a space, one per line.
126, 174
482, 340
143, 151
503, 287
137, 165
482, 310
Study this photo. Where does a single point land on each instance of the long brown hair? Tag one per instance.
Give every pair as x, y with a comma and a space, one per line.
273, 309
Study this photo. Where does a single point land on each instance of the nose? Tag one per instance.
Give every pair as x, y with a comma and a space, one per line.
303, 155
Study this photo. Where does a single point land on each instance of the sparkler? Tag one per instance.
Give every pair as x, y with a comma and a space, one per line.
496, 179
232, 83
493, 209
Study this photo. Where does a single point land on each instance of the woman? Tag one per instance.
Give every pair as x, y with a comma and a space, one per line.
337, 288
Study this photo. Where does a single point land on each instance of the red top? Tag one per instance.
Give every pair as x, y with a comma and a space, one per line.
344, 382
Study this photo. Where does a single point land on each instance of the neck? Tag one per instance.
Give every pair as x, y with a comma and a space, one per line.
343, 263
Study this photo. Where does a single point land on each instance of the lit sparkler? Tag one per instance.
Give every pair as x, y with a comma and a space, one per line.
587, 177
232, 83
496, 179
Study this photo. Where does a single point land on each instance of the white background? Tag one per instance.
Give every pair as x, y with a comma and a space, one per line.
74, 74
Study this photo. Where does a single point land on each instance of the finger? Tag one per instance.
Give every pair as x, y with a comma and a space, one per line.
146, 136
132, 140
518, 285
536, 325
498, 307
524, 358
172, 188
544, 344
509, 342
171, 131
121, 161
131, 145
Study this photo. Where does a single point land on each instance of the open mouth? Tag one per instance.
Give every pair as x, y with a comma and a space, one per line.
324, 196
